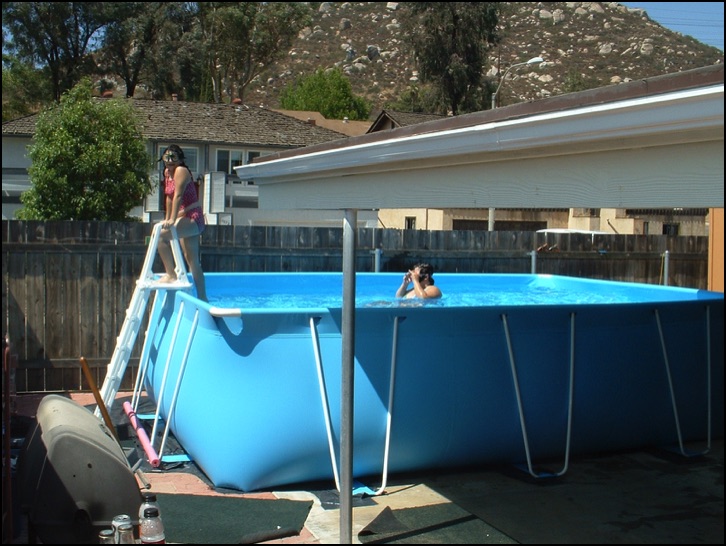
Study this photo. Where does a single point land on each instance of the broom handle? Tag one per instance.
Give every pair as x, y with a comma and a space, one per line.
99, 400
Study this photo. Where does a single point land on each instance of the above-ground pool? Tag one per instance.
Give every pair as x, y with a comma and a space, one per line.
523, 369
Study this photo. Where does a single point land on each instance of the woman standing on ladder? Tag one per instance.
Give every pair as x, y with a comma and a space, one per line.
184, 211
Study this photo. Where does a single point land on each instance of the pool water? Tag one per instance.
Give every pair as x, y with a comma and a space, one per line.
297, 291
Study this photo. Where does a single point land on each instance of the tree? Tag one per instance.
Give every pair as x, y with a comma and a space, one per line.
328, 92
25, 89
450, 42
55, 35
130, 40
418, 99
241, 39
197, 50
89, 160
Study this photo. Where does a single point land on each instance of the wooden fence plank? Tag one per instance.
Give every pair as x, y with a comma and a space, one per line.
34, 338
89, 306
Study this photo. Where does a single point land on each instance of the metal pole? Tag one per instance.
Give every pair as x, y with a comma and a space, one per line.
7, 464
501, 82
347, 377
534, 261
533, 60
666, 263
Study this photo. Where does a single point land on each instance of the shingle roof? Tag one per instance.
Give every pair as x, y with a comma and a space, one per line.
211, 123
409, 118
401, 119
24, 126
345, 126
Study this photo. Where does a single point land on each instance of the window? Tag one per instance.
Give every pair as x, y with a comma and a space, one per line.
191, 158
670, 229
410, 222
227, 160
222, 161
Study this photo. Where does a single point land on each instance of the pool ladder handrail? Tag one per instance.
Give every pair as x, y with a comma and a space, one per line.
520, 409
148, 281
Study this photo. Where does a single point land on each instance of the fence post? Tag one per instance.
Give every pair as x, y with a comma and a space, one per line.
377, 260
666, 260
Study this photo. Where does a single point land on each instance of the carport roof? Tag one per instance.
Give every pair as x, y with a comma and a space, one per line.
656, 142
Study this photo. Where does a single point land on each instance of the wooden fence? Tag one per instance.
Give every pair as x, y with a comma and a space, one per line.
67, 285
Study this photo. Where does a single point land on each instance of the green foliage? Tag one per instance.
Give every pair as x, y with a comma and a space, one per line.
89, 160
132, 38
420, 99
240, 39
197, 50
328, 92
575, 81
57, 36
25, 89
450, 41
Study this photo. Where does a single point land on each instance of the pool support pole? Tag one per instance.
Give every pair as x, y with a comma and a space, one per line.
347, 377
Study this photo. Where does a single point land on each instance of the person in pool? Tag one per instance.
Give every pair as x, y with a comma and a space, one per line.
421, 281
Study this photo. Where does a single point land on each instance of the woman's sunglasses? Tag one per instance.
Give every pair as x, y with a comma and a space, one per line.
170, 157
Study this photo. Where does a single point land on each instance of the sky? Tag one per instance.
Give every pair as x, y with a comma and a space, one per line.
701, 20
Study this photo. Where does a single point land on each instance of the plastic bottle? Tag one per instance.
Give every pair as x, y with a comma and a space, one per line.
149, 501
151, 529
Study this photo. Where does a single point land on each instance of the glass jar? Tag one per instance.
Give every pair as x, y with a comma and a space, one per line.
107, 536
126, 534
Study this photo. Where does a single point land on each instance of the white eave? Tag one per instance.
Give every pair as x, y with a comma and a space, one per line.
661, 150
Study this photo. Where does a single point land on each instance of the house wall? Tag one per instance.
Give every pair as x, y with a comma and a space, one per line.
241, 201
317, 218
15, 153
715, 250
15, 173
610, 220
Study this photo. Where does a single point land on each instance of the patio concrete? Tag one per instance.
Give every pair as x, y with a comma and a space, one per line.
643, 496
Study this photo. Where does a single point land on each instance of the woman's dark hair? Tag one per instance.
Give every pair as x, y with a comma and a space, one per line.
426, 270
175, 149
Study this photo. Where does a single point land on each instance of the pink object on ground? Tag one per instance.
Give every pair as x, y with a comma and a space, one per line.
143, 438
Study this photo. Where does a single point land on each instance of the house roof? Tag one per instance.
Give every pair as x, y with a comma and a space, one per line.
210, 123
400, 119
24, 126
345, 126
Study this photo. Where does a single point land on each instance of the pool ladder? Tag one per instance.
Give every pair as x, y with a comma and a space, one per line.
148, 282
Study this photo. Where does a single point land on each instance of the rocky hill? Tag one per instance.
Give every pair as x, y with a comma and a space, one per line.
594, 43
